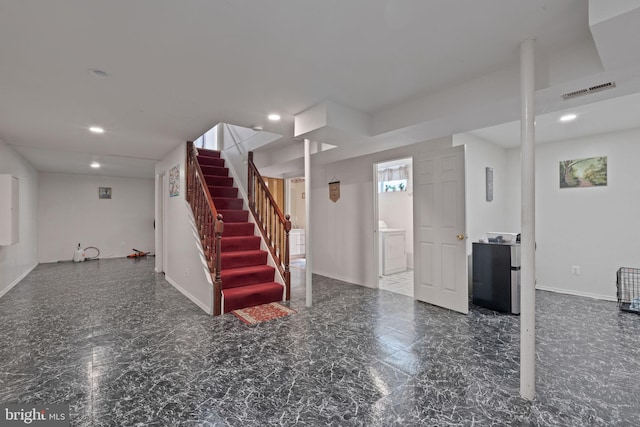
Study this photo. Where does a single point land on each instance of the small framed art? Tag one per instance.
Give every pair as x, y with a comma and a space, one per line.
104, 192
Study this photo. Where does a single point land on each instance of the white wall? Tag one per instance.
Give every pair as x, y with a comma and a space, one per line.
184, 266
236, 143
483, 216
514, 190
594, 228
396, 209
70, 212
17, 260
343, 232
297, 204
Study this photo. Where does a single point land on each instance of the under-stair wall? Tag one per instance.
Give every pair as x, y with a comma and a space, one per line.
184, 267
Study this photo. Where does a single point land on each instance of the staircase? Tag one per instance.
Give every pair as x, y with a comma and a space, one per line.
246, 278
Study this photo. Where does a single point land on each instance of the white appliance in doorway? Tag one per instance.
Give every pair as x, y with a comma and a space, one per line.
392, 253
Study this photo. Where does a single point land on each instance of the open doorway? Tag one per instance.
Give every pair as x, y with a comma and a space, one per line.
394, 206
296, 207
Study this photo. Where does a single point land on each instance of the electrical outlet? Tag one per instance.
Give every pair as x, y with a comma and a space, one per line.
575, 270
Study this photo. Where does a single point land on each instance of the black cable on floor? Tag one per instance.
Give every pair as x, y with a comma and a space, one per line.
93, 257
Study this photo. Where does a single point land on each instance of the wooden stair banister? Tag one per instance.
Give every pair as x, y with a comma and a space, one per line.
272, 223
209, 222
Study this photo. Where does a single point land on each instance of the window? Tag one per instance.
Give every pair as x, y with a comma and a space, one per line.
393, 179
394, 185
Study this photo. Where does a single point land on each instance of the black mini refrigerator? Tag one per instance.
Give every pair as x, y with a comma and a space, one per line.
496, 276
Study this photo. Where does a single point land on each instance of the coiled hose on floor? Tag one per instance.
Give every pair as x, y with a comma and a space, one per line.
91, 253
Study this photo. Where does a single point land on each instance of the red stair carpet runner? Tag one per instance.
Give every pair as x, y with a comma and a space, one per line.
247, 280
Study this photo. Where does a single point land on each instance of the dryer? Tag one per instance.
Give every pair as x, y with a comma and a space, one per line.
393, 249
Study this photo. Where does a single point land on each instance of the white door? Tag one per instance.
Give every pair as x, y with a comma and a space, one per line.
439, 219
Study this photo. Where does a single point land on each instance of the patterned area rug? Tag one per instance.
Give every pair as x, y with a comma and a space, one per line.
262, 313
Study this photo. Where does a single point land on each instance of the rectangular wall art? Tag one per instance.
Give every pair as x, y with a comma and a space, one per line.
104, 192
590, 172
174, 181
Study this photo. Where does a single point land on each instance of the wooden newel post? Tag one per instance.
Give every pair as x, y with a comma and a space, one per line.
287, 272
217, 283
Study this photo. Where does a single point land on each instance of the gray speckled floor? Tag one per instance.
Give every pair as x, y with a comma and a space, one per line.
123, 347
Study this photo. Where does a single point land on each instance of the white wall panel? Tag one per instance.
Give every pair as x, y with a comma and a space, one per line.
17, 260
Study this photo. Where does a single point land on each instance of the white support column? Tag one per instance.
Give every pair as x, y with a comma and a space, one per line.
528, 236
307, 229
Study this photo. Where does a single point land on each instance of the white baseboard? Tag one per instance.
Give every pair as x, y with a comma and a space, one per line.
184, 292
15, 282
577, 293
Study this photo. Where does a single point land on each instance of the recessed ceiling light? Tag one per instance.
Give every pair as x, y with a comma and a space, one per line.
96, 129
274, 117
568, 117
95, 165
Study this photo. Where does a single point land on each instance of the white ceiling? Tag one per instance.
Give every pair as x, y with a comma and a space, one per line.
59, 161
176, 68
607, 116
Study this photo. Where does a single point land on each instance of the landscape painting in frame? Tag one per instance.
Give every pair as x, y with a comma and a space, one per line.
589, 172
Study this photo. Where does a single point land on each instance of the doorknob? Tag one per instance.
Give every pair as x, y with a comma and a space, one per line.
460, 236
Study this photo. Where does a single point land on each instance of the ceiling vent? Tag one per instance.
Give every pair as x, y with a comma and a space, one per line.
590, 90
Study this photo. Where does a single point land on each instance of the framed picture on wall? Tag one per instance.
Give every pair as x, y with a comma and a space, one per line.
104, 192
589, 172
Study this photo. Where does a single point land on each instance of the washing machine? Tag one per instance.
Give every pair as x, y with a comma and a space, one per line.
393, 249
